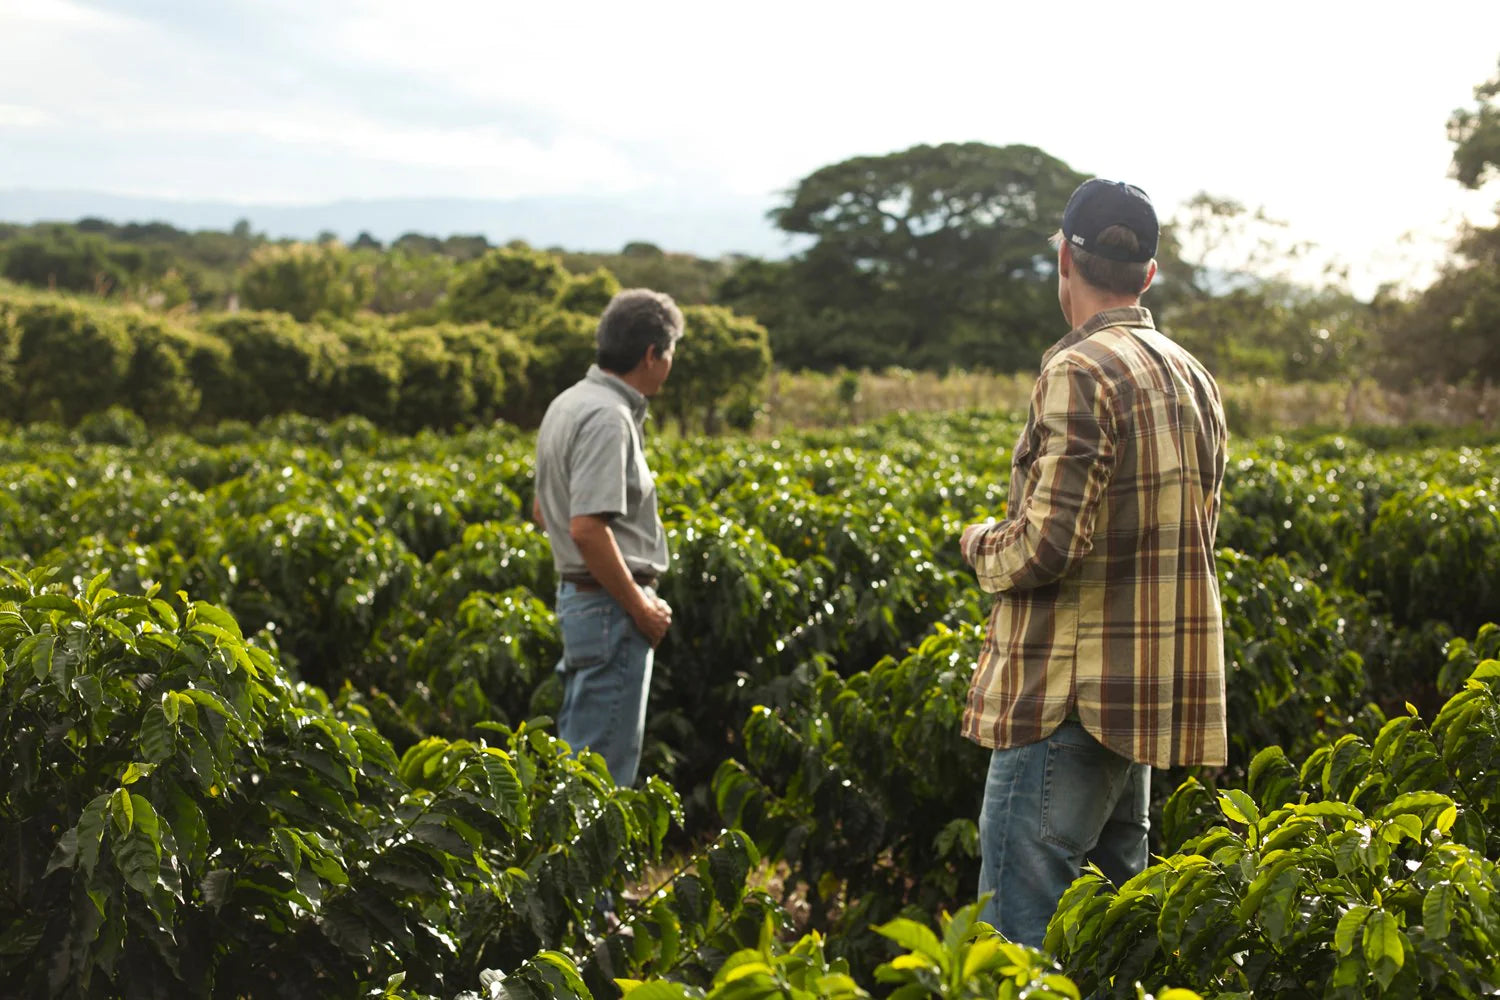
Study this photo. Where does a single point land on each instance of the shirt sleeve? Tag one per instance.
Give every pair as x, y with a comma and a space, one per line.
597, 465
1053, 528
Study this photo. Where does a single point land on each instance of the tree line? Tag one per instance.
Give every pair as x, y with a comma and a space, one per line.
931, 258
512, 330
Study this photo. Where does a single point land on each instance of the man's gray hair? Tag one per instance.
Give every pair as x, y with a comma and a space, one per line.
634, 320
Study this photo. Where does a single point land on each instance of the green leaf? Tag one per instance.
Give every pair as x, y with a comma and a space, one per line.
91, 832
117, 630
1445, 820
89, 689
657, 990
144, 819
217, 887
52, 602
42, 655
914, 937
1239, 807
138, 858
134, 772
216, 616
1383, 951
1437, 910
158, 740
1350, 924
122, 810
65, 854
95, 585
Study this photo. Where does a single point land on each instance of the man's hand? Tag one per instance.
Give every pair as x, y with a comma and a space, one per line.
536, 514
970, 539
653, 617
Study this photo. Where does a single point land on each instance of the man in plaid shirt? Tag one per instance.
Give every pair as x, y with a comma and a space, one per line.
1104, 655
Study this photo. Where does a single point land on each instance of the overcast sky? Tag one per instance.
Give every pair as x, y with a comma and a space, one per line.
1330, 115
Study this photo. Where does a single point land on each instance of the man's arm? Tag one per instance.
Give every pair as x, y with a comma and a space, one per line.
601, 553
1053, 528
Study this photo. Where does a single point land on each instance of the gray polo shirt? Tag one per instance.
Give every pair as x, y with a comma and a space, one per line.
590, 460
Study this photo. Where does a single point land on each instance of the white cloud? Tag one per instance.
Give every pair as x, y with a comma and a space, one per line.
19, 116
1330, 115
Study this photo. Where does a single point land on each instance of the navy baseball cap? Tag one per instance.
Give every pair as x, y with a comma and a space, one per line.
1099, 204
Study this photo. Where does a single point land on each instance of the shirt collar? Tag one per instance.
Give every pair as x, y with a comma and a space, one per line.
633, 396
1119, 316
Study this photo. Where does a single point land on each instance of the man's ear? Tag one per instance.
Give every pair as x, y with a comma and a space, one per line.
1150, 276
1064, 260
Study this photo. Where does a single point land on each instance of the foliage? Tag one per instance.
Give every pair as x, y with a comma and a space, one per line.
970, 960
929, 257
720, 359
184, 821
507, 287
276, 366
305, 280
1366, 872
1475, 133
588, 293
814, 576
1420, 540
1291, 677
872, 767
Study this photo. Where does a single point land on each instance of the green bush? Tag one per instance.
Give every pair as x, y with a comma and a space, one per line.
588, 293
275, 366
507, 288
72, 359
368, 383
1430, 555
160, 387
563, 345
437, 389
305, 280
1366, 872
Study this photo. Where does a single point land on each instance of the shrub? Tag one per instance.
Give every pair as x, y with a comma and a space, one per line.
305, 280
72, 359
276, 366
507, 287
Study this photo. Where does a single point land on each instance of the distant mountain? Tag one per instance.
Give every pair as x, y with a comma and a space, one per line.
604, 224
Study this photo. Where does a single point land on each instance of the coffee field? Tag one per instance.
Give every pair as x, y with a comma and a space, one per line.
274, 722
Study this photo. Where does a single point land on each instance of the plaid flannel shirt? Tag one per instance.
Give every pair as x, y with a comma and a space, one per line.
1108, 600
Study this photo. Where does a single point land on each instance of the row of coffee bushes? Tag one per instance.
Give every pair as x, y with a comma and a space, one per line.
66, 359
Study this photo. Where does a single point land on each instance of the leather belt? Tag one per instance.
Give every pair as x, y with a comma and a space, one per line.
586, 583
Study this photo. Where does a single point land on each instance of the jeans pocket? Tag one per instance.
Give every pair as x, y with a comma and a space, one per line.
585, 635
1079, 790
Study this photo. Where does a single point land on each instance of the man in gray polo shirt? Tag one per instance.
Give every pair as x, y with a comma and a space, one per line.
596, 498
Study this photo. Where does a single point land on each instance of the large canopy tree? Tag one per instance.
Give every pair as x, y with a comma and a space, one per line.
1476, 136
932, 257
1451, 332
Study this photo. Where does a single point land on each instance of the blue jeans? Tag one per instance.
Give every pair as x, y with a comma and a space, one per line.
1048, 808
606, 672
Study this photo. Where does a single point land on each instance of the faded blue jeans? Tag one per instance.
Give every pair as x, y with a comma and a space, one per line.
606, 673
1049, 807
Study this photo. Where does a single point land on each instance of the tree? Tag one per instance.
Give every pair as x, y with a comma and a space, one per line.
589, 293
1475, 133
402, 281
67, 259
1232, 289
506, 287
931, 257
304, 280
1451, 332
720, 362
